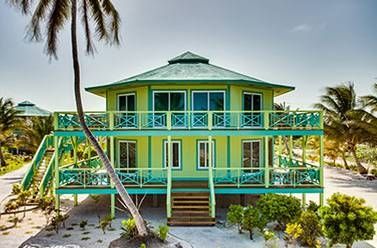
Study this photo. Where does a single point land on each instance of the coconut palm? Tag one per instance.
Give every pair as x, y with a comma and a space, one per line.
8, 123
53, 15
370, 101
344, 122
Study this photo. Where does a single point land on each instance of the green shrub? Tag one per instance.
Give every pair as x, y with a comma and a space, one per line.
346, 219
105, 222
143, 245
83, 224
16, 188
313, 206
235, 216
129, 228
252, 218
267, 235
281, 208
294, 231
311, 228
163, 232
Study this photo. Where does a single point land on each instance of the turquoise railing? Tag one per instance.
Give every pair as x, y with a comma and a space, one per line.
46, 143
119, 120
87, 177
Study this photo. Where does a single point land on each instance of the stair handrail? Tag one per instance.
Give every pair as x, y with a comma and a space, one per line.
211, 186
35, 162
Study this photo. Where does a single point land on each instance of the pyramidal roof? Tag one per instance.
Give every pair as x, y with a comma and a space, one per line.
190, 68
27, 109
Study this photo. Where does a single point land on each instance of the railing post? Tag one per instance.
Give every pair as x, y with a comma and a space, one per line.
111, 120
169, 179
266, 165
266, 119
321, 164
56, 172
56, 120
210, 120
210, 178
321, 119
168, 120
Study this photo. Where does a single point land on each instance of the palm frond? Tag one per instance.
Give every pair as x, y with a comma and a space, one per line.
88, 34
39, 15
115, 21
98, 19
23, 5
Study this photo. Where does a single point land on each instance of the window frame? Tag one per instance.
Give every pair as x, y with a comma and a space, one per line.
126, 94
260, 151
118, 151
170, 91
252, 103
208, 99
198, 167
164, 158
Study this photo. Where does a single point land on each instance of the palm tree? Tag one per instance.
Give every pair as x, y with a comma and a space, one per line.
8, 123
33, 134
370, 101
54, 14
343, 120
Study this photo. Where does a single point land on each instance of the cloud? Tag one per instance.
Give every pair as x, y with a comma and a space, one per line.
302, 28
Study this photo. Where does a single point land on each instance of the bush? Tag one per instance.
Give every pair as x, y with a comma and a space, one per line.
346, 219
105, 222
83, 224
281, 208
311, 228
313, 206
235, 216
267, 235
294, 231
252, 218
129, 228
163, 232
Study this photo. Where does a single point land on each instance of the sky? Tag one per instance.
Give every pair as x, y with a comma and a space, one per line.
307, 44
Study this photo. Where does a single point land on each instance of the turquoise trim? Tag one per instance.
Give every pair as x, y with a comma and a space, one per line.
228, 97
223, 132
180, 154
267, 190
197, 154
108, 191
170, 91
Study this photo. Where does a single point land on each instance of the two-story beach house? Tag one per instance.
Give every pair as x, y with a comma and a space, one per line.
189, 133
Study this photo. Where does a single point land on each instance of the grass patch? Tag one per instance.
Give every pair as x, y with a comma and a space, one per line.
49, 235
69, 228
99, 241
85, 238
111, 229
74, 224
5, 233
85, 233
67, 235
28, 232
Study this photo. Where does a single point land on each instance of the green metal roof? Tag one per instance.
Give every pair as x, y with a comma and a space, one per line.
27, 109
190, 68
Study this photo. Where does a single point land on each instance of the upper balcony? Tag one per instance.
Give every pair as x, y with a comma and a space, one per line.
191, 120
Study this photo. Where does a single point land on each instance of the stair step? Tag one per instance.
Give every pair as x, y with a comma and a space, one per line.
190, 207
191, 223
192, 211
190, 197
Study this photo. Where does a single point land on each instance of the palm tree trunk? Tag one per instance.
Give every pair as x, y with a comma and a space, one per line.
140, 224
360, 167
2, 159
345, 163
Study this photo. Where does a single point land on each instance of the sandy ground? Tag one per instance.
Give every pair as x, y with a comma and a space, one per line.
31, 229
10, 178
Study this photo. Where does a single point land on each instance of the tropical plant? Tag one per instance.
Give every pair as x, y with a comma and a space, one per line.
163, 232
294, 232
235, 216
252, 218
22, 197
58, 220
344, 121
129, 228
33, 134
105, 222
106, 19
312, 206
370, 101
46, 204
83, 224
8, 123
281, 208
311, 228
346, 219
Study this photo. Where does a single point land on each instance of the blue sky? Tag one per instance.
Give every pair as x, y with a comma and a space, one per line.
308, 44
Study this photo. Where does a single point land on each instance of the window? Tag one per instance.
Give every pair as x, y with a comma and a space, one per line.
126, 102
203, 153
176, 157
252, 101
251, 153
127, 154
169, 100
208, 100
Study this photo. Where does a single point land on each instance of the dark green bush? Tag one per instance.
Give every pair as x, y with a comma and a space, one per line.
281, 208
252, 218
311, 228
235, 216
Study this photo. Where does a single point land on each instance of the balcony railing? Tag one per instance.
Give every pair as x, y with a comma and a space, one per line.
141, 120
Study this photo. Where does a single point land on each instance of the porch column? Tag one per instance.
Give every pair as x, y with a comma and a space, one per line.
75, 145
304, 142
56, 172
321, 164
169, 179
266, 165
112, 159
210, 178
290, 147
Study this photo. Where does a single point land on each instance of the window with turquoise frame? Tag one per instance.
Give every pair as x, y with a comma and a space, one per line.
169, 100
127, 153
252, 105
126, 102
176, 154
208, 100
251, 153
203, 154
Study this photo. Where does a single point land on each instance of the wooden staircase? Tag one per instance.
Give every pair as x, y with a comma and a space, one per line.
190, 209
42, 168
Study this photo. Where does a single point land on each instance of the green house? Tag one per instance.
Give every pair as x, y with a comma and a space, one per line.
189, 132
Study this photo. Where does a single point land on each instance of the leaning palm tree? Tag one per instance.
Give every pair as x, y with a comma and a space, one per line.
343, 120
53, 14
8, 124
